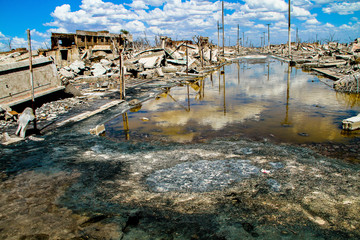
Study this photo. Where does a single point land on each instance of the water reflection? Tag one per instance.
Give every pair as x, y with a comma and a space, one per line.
286, 122
126, 125
256, 99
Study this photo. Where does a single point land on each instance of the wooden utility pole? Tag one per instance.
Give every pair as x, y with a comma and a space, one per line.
122, 76
187, 60
223, 31
268, 36
238, 32
218, 27
289, 29
31, 77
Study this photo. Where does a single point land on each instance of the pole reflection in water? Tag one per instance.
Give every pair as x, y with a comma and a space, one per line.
268, 70
126, 125
286, 122
178, 103
219, 73
188, 96
224, 90
238, 68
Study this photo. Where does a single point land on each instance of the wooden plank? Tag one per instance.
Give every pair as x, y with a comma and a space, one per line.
328, 73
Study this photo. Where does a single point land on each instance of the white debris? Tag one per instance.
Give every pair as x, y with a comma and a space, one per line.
97, 69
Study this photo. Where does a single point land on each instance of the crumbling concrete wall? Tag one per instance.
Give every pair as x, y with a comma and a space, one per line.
15, 85
64, 57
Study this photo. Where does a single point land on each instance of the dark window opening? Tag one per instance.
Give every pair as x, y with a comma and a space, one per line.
64, 54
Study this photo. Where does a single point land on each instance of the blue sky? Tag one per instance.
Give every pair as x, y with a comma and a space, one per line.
315, 19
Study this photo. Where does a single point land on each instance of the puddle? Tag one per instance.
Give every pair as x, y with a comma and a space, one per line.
266, 99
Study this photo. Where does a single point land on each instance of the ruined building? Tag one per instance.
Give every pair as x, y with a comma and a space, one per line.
68, 47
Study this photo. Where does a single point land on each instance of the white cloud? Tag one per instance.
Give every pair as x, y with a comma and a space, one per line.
136, 26
312, 22
138, 4
269, 5
344, 8
300, 12
329, 25
34, 32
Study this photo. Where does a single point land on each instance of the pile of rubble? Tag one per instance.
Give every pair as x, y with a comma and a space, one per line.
50, 111
148, 64
47, 112
350, 83
340, 62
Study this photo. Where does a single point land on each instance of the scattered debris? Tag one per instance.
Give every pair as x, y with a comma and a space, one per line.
98, 130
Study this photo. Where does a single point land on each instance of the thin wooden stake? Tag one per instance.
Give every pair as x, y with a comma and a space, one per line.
223, 31
31, 77
289, 33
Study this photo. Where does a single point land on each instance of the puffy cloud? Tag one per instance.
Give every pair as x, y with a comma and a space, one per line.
269, 5
136, 26
138, 4
329, 25
300, 12
344, 8
37, 33
312, 22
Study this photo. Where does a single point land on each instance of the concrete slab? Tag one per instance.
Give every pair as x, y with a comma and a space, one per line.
15, 85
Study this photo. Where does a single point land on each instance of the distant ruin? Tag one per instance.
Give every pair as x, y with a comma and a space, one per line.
67, 46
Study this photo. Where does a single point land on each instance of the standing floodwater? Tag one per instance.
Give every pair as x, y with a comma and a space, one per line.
261, 98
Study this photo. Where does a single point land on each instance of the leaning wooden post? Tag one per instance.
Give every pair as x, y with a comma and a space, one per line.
123, 76
31, 77
187, 59
120, 73
223, 31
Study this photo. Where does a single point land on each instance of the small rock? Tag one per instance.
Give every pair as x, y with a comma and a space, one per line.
303, 134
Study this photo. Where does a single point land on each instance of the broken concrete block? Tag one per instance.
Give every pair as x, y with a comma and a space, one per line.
131, 67
26, 116
99, 129
151, 62
159, 72
352, 123
72, 90
77, 66
98, 69
66, 73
